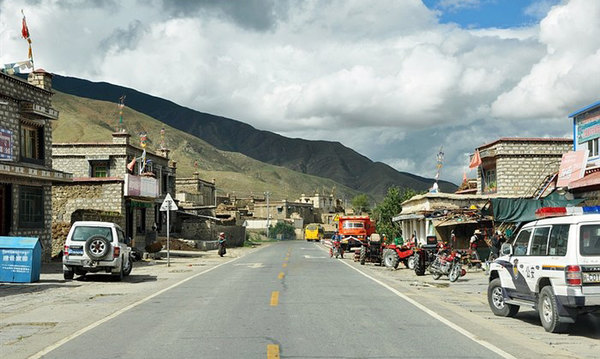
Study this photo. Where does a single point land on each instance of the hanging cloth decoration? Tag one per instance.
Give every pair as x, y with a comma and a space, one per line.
475, 160
25, 34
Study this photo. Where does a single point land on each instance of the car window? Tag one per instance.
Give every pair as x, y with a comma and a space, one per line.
121, 236
559, 236
521, 242
589, 240
539, 242
82, 233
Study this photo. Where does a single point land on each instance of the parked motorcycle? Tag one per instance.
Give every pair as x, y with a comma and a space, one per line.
336, 249
447, 262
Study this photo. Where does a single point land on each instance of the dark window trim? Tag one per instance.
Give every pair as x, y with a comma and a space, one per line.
31, 220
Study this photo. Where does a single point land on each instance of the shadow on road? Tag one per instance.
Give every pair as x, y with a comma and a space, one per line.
7, 290
587, 325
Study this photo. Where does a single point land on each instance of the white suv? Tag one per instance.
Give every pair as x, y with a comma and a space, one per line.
553, 265
95, 247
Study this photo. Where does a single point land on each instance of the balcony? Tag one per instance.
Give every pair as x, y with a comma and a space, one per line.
38, 110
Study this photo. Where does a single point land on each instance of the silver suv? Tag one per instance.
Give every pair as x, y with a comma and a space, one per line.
553, 266
94, 247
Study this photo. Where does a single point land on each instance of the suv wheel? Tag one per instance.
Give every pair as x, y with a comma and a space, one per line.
496, 301
548, 310
128, 267
68, 274
118, 276
97, 247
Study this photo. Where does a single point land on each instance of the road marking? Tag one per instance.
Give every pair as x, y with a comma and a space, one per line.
250, 265
272, 351
274, 298
284, 265
459, 329
119, 312
313, 257
281, 274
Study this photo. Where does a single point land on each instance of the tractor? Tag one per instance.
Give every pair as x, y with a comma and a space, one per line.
425, 255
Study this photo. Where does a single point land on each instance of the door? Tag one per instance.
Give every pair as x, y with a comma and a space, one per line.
5, 203
518, 266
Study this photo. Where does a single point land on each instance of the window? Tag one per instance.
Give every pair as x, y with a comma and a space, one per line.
559, 236
353, 225
520, 245
83, 233
32, 140
589, 240
489, 181
31, 207
99, 168
593, 147
539, 242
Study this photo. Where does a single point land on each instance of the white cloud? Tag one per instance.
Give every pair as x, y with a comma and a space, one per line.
383, 78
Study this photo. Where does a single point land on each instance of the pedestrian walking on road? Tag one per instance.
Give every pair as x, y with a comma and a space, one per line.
222, 244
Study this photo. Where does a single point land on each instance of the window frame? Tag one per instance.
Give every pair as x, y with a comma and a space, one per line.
31, 196
550, 238
95, 164
31, 136
533, 238
530, 230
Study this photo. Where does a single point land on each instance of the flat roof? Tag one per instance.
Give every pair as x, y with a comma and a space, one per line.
585, 109
527, 139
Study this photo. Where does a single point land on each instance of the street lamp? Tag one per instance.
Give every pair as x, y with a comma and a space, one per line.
268, 214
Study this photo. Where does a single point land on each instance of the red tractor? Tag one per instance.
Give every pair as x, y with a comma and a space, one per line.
394, 254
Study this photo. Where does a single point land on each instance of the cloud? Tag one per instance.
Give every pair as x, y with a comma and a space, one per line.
384, 78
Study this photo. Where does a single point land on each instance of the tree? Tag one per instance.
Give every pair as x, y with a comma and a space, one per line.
285, 229
360, 203
390, 207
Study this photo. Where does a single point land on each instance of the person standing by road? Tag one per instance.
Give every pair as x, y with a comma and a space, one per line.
222, 244
497, 241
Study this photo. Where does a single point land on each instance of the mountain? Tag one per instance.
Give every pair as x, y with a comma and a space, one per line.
86, 120
319, 158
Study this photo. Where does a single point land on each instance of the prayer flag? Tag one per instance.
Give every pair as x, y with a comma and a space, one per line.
475, 160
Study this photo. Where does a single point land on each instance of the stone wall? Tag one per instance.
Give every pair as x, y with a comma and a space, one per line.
205, 233
521, 165
103, 196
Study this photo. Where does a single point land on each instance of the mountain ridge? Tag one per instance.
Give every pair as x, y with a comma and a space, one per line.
326, 159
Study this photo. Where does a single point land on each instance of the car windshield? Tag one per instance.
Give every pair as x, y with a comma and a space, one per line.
589, 240
82, 233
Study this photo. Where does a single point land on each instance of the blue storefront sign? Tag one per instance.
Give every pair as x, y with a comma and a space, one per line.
20, 259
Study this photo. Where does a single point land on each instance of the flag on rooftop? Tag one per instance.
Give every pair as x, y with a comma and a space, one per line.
475, 160
25, 34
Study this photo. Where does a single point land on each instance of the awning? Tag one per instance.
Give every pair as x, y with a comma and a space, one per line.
407, 216
140, 204
453, 222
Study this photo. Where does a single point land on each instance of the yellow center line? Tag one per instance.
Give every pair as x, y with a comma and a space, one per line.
281, 274
274, 298
272, 351
284, 265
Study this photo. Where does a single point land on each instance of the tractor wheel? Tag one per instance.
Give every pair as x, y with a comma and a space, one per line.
363, 255
390, 258
419, 266
410, 262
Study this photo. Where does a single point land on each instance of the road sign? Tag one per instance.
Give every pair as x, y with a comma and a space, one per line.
336, 218
168, 204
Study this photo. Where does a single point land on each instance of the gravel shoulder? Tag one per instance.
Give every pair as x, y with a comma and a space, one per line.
36, 315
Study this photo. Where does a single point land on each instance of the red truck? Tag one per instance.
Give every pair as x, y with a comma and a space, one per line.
355, 230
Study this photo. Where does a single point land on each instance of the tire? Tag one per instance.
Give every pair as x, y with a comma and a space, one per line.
68, 274
128, 267
419, 266
118, 276
436, 274
548, 310
496, 301
330, 252
390, 258
363, 255
97, 247
455, 272
410, 262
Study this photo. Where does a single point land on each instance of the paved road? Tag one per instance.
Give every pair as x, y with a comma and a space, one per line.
287, 300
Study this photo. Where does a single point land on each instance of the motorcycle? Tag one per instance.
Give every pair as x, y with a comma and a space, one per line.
336, 249
447, 262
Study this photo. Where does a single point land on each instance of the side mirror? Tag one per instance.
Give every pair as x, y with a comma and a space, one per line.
506, 249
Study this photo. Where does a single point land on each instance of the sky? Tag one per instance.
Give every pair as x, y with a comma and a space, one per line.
394, 80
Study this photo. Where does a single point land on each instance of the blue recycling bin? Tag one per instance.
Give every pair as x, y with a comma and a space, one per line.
20, 259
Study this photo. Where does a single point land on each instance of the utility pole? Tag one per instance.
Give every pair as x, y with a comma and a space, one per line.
268, 213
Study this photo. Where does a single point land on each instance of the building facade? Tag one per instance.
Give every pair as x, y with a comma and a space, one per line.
26, 172
516, 167
102, 182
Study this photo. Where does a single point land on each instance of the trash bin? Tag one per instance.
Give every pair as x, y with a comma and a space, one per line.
20, 259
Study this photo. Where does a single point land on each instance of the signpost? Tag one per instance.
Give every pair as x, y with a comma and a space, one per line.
168, 205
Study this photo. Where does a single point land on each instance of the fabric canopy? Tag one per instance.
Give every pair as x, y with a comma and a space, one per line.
523, 209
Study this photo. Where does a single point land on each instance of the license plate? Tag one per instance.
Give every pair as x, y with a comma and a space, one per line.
75, 251
593, 277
